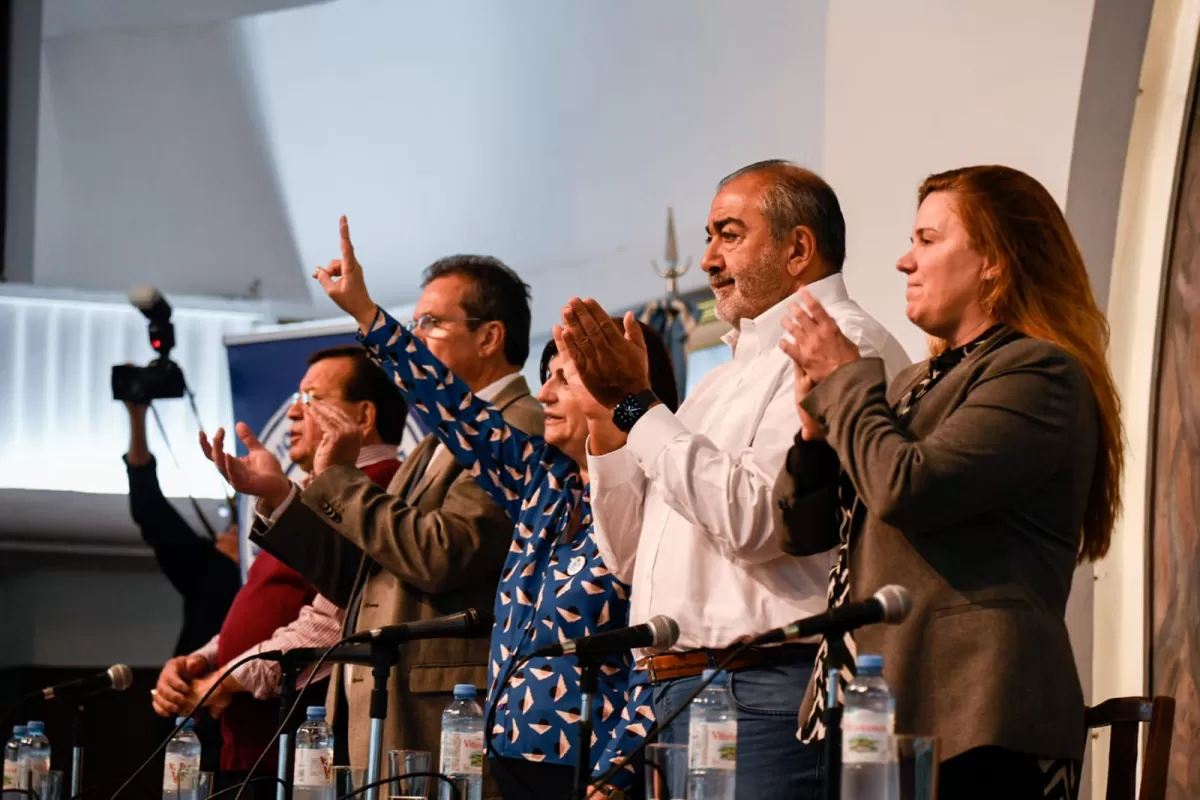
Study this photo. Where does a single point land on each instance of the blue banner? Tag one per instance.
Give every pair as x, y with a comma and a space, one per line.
264, 373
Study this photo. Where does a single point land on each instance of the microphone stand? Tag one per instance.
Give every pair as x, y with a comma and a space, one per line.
77, 749
833, 724
384, 656
589, 681
290, 669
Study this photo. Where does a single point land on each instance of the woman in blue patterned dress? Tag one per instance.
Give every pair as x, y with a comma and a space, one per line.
555, 585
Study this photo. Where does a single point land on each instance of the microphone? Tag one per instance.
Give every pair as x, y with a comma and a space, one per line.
346, 654
469, 624
660, 632
890, 605
117, 678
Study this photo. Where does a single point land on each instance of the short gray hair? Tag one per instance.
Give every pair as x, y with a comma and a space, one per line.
794, 197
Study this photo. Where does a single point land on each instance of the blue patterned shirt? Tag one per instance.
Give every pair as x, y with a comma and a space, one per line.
554, 587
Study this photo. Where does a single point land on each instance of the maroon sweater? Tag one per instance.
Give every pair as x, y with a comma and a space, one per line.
272, 597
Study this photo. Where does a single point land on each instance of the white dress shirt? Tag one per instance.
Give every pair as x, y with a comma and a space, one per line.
683, 512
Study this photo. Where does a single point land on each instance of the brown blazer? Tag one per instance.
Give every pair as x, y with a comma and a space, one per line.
976, 506
432, 544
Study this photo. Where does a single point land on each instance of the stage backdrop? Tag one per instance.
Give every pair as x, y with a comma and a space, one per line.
265, 369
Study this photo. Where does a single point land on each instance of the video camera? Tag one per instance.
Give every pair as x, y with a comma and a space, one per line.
161, 379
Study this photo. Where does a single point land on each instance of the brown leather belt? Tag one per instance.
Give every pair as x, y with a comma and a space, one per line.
670, 666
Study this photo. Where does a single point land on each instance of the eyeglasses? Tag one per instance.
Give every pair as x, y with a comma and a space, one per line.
304, 398
427, 322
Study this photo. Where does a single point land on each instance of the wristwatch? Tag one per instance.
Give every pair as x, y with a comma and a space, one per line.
631, 409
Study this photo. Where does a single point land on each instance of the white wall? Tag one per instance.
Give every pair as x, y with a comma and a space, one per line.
154, 170
550, 134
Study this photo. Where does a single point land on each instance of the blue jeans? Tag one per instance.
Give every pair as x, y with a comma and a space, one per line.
772, 764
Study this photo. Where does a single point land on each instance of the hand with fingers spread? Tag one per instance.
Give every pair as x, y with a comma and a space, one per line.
612, 363
341, 437
342, 280
258, 473
818, 347
172, 694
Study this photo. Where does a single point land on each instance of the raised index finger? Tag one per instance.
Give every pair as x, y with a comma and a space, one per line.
347, 245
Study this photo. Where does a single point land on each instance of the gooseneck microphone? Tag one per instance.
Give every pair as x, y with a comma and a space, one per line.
890, 605
470, 624
660, 632
116, 678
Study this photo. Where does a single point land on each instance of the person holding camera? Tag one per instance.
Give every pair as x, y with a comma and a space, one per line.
203, 569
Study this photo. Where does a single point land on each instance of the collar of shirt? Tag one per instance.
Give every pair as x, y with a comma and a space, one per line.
756, 335
374, 453
490, 391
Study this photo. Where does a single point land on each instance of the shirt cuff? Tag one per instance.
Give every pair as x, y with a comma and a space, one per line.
278, 512
259, 677
610, 469
657, 428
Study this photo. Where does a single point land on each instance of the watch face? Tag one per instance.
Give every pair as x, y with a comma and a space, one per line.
631, 409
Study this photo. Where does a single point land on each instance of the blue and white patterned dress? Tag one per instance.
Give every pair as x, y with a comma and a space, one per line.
555, 586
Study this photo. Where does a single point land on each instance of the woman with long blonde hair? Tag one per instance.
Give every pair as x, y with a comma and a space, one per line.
977, 479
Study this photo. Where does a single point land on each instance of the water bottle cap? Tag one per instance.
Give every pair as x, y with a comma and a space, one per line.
33, 726
20, 730
870, 661
465, 691
721, 679
315, 712
187, 722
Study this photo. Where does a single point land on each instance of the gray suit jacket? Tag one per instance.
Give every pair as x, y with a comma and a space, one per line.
432, 544
976, 506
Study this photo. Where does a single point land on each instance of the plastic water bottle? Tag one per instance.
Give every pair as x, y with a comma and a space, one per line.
182, 762
462, 745
12, 756
33, 755
712, 742
313, 776
868, 722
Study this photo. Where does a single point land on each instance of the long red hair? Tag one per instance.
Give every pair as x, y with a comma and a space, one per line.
1041, 289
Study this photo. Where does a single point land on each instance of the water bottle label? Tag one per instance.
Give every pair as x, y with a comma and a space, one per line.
10, 775
179, 773
712, 745
313, 767
865, 737
462, 753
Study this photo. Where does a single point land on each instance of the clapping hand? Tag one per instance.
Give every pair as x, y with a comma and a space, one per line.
612, 363
818, 345
810, 430
342, 280
341, 437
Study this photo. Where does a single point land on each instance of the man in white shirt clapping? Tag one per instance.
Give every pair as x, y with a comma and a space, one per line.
683, 502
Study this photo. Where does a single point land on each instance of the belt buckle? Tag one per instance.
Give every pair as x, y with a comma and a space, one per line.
648, 665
